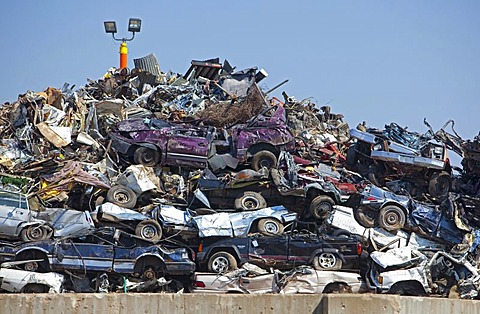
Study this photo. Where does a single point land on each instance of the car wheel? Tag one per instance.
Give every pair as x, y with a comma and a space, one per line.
122, 196
439, 184
270, 227
39, 261
149, 273
321, 206
327, 260
408, 288
146, 156
35, 288
391, 218
264, 158
149, 229
221, 262
33, 233
337, 287
250, 201
365, 216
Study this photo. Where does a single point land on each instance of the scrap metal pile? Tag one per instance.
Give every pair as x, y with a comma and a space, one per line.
202, 182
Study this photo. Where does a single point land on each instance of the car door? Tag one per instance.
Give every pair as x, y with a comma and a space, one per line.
301, 246
82, 256
187, 147
268, 251
13, 212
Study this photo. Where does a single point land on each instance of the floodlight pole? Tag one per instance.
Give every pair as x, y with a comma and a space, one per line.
134, 26
123, 55
123, 50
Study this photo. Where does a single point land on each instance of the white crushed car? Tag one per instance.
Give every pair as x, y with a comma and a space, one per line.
17, 280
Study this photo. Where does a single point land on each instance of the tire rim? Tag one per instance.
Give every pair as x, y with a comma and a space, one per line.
31, 266
121, 197
327, 260
322, 209
35, 233
148, 157
265, 162
250, 203
149, 274
220, 264
148, 232
271, 227
392, 218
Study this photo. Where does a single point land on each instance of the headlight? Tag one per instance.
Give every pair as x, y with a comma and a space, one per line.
185, 255
380, 280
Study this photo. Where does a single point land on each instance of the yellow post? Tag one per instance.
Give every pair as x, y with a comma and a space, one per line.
123, 55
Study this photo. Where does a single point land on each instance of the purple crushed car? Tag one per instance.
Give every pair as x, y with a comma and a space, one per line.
152, 141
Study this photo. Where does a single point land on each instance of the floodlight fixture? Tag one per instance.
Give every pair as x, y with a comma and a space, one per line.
134, 25
110, 27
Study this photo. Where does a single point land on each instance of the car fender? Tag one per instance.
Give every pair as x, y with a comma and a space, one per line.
36, 248
148, 145
149, 254
209, 253
326, 188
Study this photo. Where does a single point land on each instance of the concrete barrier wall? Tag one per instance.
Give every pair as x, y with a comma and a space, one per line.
197, 303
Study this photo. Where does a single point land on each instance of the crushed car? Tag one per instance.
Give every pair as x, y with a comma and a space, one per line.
14, 279
151, 141
396, 153
286, 251
170, 220
105, 250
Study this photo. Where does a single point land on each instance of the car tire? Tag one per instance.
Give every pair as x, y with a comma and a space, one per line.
149, 230
146, 156
33, 233
269, 227
250, 201
327, 261
264, 158
337, 287
122, 196
439, 184
35, 288
391, 218
321, 206
222, 262
365, 216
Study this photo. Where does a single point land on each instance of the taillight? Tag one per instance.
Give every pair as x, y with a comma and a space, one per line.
371, 198
359, 248
200, 248
199, 284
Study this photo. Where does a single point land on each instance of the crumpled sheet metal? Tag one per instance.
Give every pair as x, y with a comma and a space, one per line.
66, 222
398, 257
115, 213
71, 172
140, 179
315, 281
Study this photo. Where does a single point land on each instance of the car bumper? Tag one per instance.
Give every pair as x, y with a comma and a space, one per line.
180, 268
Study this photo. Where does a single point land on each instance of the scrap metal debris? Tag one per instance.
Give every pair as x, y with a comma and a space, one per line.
176, 172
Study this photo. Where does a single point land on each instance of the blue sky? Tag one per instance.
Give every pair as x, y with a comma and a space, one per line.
373, 61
